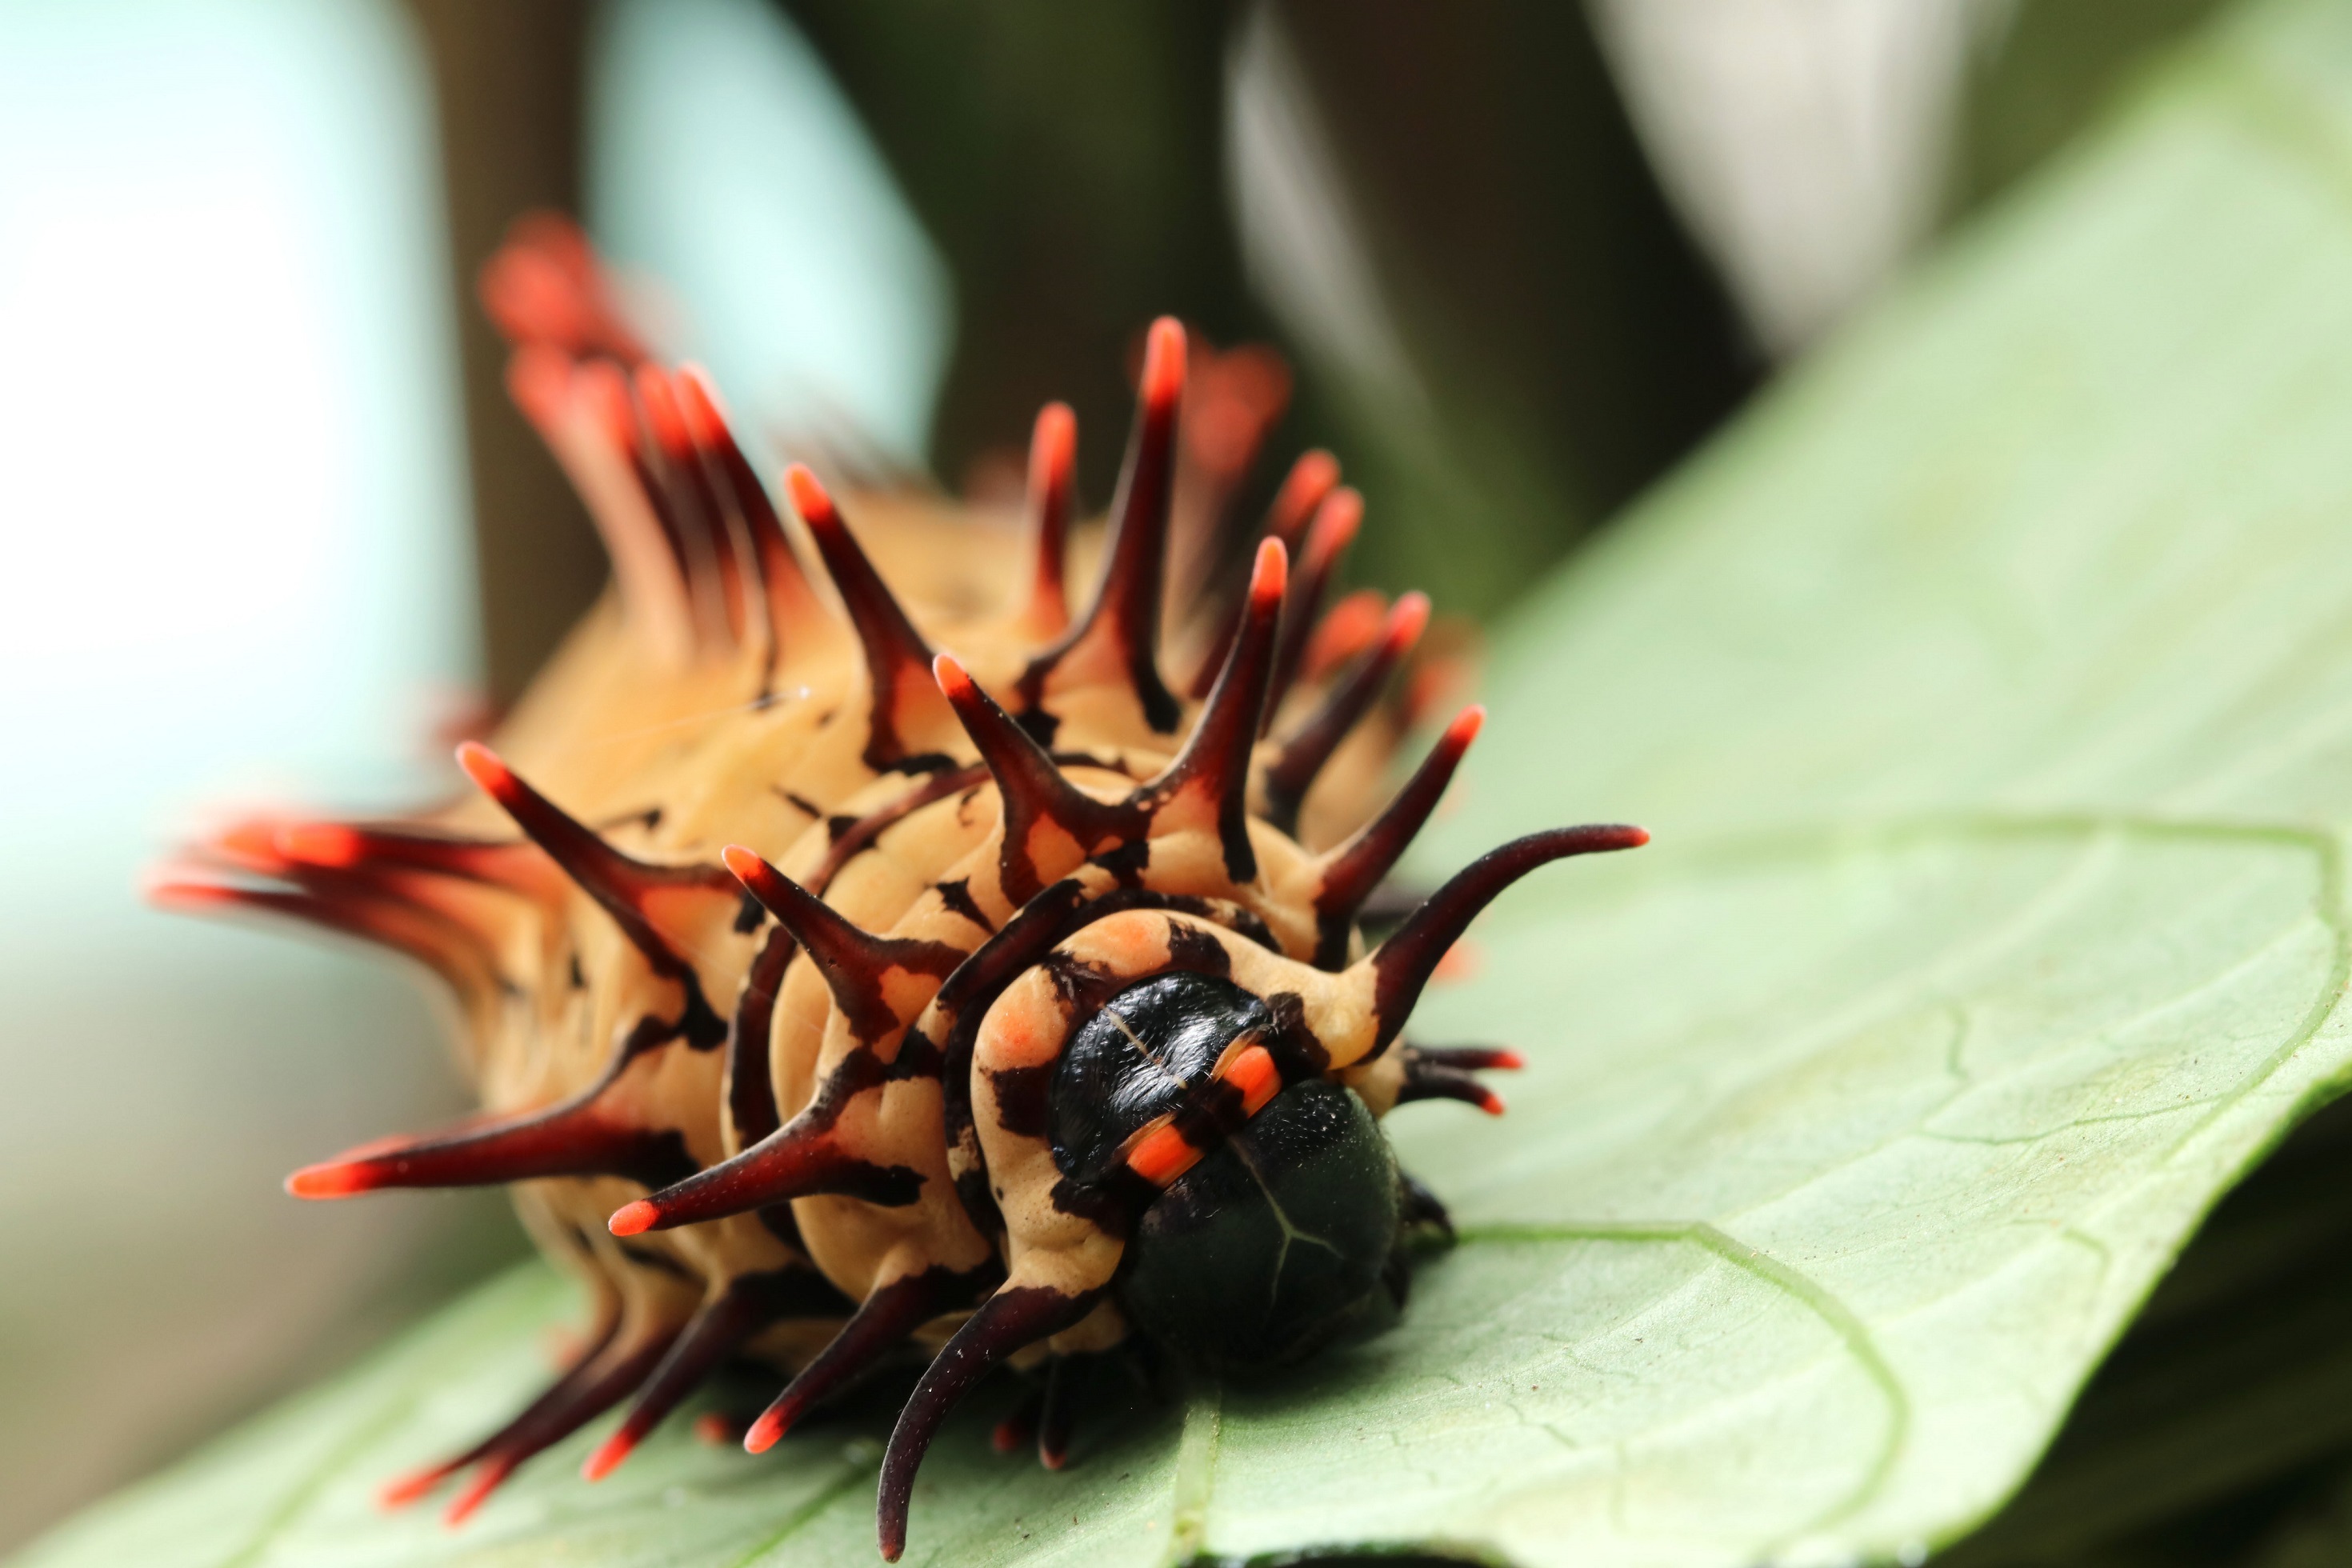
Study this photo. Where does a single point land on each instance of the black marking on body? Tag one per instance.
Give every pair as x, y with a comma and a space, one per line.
1241, 856
1110, 1205
1190, 947
1033, 716
956, 897
750, 1087
801, 803
749, 916
837, 828
1024, 1099
1297, 1049
922, 762
1125, 863
578, 980
1083, 986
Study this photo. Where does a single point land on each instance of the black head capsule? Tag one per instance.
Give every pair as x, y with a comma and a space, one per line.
1268, 1232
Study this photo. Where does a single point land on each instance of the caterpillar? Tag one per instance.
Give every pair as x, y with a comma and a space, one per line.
845, 966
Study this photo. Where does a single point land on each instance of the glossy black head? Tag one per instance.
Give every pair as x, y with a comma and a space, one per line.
1275, 1238
1137, 1060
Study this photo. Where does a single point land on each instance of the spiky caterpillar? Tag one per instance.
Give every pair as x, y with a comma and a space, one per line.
826, 992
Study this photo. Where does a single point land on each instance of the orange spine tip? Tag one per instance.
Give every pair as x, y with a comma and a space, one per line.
763, 1434
633, 1219
1338, 520
332, 1180
1053, 447
252, 845
402, 1490
1310, 479
809, 498
1163, 363
1269, 577
1347, 630
1493, 1104
1406, 622
608, 1456
487, 1479
329, 844
482, 766
955, 683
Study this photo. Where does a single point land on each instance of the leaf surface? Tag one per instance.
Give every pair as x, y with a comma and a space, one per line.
1990, 689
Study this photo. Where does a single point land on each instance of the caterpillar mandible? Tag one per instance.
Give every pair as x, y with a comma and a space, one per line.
827, 990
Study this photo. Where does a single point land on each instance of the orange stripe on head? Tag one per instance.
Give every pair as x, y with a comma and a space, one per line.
1159, 1153
1252, 1070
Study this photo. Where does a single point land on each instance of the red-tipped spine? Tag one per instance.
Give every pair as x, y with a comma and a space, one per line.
1352, 871
1031, 786
1215, 760
1352, 626
623, 887
792, 602
1052, 498
1303, 755
1336, 521
515, 863
542, 286
717, 1330
1402, 965
594, 1386
440, 944
854, 962
573, 1139
881, 1323
1124, 619
697, 497
1310, 479
898, 660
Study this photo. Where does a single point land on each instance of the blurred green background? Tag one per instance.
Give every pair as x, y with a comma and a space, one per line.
273, 524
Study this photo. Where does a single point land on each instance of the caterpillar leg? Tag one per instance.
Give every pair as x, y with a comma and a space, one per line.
1019, 1428
1066, 1378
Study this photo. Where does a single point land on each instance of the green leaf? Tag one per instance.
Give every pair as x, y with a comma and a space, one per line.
1990, 690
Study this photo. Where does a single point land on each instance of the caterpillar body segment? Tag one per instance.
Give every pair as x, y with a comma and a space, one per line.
863, 943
